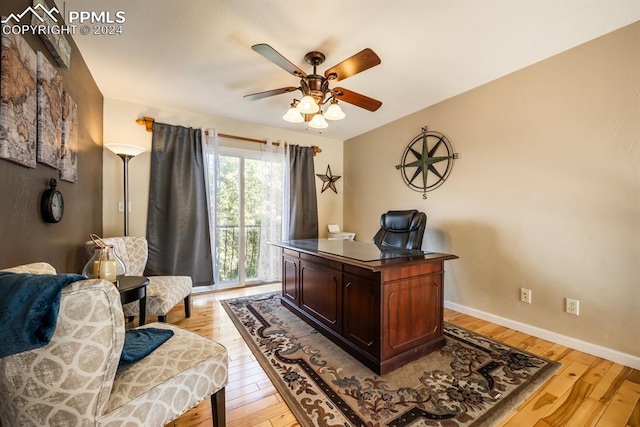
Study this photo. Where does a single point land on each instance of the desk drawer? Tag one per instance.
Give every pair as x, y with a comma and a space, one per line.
321, 293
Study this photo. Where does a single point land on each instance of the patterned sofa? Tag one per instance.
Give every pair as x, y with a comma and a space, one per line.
163, 292
76, 380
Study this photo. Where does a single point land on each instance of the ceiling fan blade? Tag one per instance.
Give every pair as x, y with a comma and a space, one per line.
356, 99
359, 62
272, 55
267, 93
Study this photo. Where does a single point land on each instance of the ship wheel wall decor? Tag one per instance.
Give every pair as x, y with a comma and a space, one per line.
427, 161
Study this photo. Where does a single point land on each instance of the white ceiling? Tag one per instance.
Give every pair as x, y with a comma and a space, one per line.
196, 55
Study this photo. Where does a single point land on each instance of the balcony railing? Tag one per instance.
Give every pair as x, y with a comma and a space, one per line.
228, 238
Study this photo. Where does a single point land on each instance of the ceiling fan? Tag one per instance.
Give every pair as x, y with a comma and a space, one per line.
315, 88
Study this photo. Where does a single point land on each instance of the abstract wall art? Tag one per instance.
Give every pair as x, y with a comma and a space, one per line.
69, 154
55, 41
18, 96
49, 113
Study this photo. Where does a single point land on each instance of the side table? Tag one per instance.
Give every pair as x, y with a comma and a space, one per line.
134, 288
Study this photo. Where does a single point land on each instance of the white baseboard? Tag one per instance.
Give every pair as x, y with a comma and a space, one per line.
596, 350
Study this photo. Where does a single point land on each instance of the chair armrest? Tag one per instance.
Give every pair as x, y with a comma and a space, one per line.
69, 380
35, 268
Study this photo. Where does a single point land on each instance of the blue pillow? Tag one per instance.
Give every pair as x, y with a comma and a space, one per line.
29, 305
139, 343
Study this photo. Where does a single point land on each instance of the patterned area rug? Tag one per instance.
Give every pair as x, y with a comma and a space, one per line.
471, 381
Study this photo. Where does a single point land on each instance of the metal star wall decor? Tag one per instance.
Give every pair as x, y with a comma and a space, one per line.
329, 180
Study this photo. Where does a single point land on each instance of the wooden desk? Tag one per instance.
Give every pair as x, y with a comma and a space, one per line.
385, 308
134, 288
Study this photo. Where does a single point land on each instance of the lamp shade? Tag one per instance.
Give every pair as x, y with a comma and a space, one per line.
318, 122
308, 105
334, 112
125, 149
293, 116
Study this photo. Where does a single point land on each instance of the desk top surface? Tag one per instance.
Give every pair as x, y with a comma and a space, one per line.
361, 252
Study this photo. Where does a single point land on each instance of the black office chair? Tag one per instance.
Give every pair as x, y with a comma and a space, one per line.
401, 229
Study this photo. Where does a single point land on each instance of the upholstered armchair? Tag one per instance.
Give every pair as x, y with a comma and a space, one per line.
77, 380
163, 292
401, 229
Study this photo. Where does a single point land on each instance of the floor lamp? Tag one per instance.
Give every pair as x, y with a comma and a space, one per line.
126, 152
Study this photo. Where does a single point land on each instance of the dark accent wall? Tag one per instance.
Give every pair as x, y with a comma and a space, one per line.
24, 236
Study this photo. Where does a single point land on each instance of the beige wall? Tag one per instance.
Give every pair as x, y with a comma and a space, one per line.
120, 126
545, 195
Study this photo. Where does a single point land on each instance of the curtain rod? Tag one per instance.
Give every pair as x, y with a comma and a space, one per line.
147, 122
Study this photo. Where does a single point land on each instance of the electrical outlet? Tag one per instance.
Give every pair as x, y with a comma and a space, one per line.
121, 207
525, 295
572, 306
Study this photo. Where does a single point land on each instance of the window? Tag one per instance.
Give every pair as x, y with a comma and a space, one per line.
247, 213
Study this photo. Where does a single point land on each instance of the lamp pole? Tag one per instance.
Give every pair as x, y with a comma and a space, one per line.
126, 152
125, 158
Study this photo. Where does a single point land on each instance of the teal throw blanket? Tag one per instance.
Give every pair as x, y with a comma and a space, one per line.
139, 343
29, 305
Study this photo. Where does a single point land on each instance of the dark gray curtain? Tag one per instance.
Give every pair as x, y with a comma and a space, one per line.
303, 204
178, 224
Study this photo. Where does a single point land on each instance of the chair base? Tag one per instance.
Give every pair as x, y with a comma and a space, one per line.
218, 409
163, 318
187, 306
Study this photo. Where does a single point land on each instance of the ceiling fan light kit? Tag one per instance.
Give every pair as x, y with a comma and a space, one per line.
315, 88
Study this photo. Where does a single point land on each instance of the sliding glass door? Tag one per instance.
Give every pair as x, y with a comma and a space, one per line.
248, 214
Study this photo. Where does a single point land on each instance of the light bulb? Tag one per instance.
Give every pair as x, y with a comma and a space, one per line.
308, 105
318, 122
334, 112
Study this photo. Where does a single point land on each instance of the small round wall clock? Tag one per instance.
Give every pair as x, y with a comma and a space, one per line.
52, 203
427, 161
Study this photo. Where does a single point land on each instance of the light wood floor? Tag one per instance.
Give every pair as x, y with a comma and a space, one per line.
587, 391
